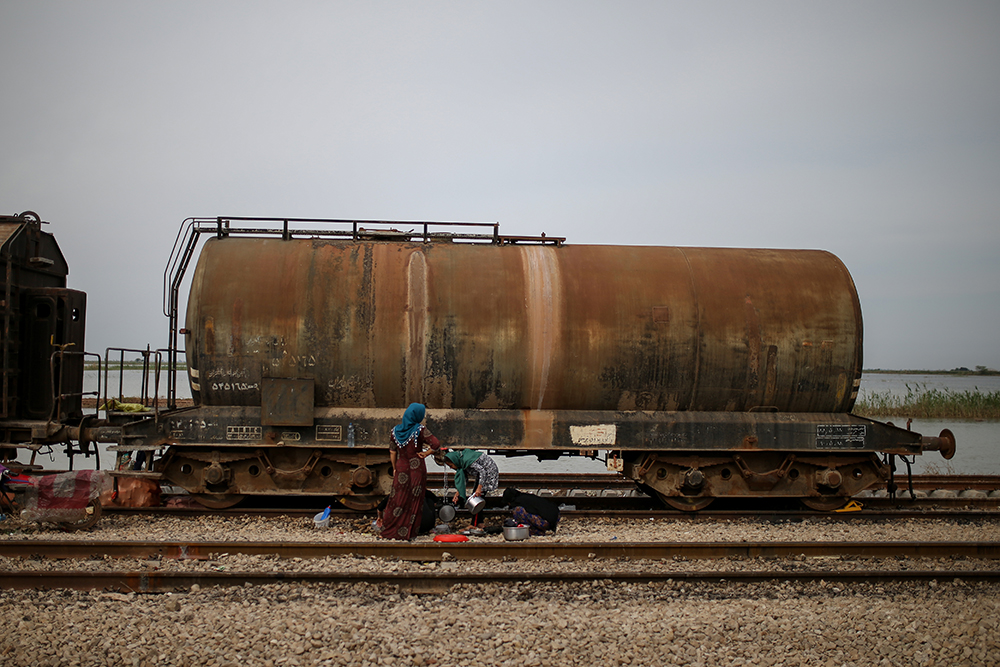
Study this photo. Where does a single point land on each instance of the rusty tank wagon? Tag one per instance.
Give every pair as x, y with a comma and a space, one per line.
699, 373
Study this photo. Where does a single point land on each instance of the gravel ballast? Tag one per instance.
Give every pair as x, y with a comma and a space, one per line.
536, 625
132, 527
943, 622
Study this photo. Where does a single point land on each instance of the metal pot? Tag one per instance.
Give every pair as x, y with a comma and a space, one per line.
446, 513
475, 504
515, 533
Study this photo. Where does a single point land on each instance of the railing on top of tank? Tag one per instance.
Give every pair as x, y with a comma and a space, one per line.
360, 230
394, 230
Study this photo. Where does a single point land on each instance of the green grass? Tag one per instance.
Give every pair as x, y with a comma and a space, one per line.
923, 403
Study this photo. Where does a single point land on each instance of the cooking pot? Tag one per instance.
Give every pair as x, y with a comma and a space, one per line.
475, 504
446, 513
515, 533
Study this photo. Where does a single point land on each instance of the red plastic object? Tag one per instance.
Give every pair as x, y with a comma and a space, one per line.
451, 538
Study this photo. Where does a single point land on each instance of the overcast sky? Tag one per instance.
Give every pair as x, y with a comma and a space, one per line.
869, 129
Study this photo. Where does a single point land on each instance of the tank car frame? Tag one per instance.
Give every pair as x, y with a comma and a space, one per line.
823, 459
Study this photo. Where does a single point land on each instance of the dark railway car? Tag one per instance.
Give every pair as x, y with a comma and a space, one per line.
42, 341
698, 372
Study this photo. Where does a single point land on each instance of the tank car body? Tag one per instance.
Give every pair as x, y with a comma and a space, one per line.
381, 324
701, 372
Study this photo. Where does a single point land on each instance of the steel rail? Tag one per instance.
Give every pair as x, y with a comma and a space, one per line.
493, 550
438, 582
615, 480
870, 511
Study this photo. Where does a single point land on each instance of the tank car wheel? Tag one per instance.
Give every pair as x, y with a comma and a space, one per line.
217, 501
824, 503
687, 503
93, 515
360, 503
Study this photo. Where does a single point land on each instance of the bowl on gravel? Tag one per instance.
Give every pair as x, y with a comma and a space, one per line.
515, 533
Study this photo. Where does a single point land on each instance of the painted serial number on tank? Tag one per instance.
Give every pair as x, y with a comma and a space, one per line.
840, 436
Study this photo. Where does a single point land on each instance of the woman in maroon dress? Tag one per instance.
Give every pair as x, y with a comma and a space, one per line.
401, 517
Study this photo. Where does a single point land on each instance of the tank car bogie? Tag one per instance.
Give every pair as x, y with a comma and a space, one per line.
755, 474
273, 470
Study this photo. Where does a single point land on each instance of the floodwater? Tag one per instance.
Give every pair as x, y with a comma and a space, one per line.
978, 442
898, 384
130, 384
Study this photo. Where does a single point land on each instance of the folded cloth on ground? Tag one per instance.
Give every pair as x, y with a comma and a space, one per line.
64, 496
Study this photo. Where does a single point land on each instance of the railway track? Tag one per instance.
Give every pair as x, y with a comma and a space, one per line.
596, 494
448, 571
870, 512
493, 550
202, 562
603, 481
577, 484
604, 494
438, 582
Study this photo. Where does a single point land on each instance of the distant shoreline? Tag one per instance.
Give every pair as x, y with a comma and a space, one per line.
962, 373
131, 366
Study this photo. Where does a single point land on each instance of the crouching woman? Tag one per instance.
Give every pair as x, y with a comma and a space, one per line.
538, 514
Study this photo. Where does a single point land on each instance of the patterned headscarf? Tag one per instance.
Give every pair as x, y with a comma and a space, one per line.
410, 425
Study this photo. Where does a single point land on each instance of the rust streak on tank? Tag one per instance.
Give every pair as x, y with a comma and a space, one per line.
543, 298
416, 326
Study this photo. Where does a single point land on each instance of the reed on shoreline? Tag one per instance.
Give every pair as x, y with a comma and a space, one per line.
923, 403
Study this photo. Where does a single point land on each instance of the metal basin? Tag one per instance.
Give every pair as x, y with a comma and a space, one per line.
515, 533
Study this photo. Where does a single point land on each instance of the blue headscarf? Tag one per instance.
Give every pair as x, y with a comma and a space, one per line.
410, 425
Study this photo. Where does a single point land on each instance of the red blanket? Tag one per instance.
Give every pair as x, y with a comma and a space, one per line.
63, 497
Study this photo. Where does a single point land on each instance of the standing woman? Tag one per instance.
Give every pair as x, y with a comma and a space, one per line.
401, 517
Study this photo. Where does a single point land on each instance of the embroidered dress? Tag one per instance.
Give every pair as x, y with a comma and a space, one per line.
401, 519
